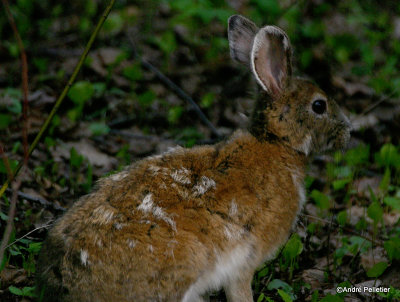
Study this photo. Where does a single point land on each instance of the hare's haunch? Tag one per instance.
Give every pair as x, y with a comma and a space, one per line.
175, 226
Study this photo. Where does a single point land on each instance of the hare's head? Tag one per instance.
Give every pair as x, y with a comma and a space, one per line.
288, 109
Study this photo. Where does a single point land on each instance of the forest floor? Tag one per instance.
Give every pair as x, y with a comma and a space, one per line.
120, 110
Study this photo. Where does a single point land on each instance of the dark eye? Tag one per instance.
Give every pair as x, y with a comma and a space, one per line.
319, 106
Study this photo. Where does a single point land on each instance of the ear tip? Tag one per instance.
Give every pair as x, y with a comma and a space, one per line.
277, 31
233, 20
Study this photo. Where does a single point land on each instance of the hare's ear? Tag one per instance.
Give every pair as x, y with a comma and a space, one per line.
271, 59
241, 33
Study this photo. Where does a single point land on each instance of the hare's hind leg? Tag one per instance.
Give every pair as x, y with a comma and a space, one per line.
239, 290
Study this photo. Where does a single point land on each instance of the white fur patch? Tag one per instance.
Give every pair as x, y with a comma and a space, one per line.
118, 226
305, 147
84, 257
299, 184
147, 203
228, 266
102, 215
233, 208
203, 185
181, 176
233, 232
147, 206
154, 169
98, 241
131, 243
119, 176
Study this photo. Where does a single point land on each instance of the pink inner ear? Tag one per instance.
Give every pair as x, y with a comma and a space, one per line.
270, 61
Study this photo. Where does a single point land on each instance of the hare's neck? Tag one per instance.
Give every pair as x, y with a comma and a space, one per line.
246, 149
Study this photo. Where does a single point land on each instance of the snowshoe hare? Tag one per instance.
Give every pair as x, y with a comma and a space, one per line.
174, 226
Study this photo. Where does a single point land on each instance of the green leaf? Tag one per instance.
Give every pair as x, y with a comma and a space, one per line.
167, 42
15, 290
359, 244
99, 89
377, 270
174, 113
357, 156
293, 247
76, 159
340, 183
277, 283
375, 212
133, 72
261, 298
342, 217
207, 100
320, 199
384, 184
345, 284
146, 98
29, 291
99, 128
393, 202
5, 120
392, 247
35, 247
388, 156
80, 92
113, 23
13, 164
331, 298
263, 272
284, 296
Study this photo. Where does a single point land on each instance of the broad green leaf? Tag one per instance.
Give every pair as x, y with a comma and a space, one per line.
357, 156
277, 283
388, 156
133, 72
377, 270
342, 217
15, 290
375, 212
263, 272
392, 247
384, 184
393, 202
293, 247
114, 23
80, 92
321, 200
13, 164
147, 98
99, 128
75, 158
340, 183
261, 298
174, 113
331, 298
284, 296
5, 120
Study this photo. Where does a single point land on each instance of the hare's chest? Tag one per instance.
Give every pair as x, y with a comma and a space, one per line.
226, 267
299, 189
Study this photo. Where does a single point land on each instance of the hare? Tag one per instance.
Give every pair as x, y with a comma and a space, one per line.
175, 226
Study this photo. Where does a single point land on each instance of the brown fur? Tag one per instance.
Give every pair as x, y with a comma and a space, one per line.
172, 227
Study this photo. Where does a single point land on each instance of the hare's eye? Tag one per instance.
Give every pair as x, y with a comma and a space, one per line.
319, 106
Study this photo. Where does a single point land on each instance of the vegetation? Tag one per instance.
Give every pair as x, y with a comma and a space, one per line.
119, 110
